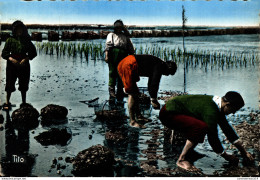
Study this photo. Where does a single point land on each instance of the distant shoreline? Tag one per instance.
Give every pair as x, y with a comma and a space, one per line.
7, 26
89, 31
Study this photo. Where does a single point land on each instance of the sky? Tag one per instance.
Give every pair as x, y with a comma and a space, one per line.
135, 12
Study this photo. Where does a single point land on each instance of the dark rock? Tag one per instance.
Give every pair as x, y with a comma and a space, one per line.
94, 161
25, 117
54, 114
1, 119
90, 137
68, 159
54, 136
54, 161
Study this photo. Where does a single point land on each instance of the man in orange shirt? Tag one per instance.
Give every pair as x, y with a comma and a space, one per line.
131, 68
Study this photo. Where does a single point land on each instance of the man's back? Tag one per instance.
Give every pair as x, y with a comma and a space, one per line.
148, 64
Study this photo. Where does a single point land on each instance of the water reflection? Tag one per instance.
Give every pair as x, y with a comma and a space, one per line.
124, 141
17, 160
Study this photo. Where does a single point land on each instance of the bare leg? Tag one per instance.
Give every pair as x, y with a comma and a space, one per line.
138, 113
23, 93
132, 111
182, 161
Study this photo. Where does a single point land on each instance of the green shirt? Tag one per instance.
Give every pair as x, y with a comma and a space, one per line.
18, 46
203, 107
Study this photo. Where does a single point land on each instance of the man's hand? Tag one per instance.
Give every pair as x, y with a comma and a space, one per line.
14, 61
24, 61
247, 157
106, 56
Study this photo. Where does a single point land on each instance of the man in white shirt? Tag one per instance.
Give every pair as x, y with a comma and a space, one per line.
118, 46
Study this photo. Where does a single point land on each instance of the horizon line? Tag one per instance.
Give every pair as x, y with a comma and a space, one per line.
154, 25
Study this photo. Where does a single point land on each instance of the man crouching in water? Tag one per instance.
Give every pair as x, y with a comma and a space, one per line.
198, 115
133, 66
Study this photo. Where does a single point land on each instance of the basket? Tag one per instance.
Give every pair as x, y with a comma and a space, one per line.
109, 110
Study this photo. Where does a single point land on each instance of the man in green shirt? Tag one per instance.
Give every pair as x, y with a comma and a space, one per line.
198, 115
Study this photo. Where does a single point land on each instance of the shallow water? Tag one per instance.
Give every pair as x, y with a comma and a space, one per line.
66, 81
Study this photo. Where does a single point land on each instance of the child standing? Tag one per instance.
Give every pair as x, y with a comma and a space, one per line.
18, 50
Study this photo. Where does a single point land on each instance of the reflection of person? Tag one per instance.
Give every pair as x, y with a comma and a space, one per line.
17, 155
130, 68
118, 46
198, 115
18, 50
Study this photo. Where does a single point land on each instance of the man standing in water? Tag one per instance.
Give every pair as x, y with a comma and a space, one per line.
118, 46
197, 115
133, 66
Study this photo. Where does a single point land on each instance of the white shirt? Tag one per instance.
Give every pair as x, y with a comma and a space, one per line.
217, 100
120, 41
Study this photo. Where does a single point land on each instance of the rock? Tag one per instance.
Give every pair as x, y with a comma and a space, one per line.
1, 119
54, 161
54, 114
97, 160
68, 159
26, 117
54, 136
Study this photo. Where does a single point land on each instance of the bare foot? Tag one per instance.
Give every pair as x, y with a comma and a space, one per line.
135, 124
186, 165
